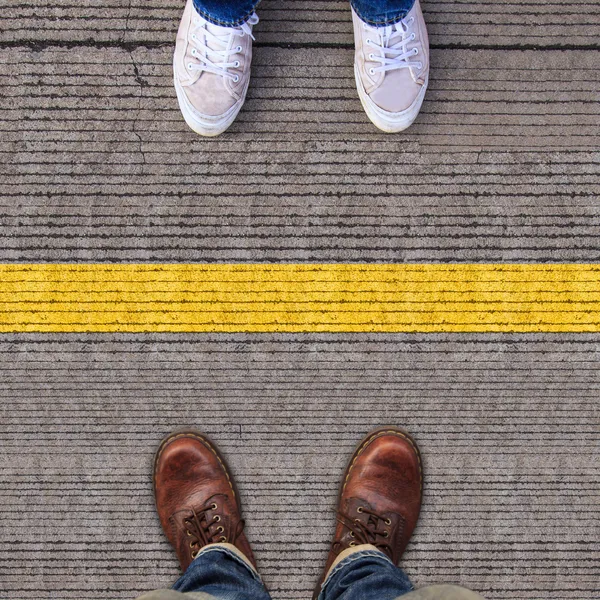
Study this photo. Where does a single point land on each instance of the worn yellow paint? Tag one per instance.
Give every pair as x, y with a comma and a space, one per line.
300, 298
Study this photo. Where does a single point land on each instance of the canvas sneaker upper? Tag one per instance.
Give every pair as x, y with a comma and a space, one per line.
211, 68
392, 63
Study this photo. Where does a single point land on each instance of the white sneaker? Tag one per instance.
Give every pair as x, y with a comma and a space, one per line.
211, 71
391, 67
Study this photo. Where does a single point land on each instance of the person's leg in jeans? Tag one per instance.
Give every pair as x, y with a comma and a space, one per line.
200, 513
219, 572
228, 13
433, 592
223, 572
368, 574
211, 64
391, 61
382, 12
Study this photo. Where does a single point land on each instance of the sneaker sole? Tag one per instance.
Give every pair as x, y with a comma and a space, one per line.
205, 128
387, 121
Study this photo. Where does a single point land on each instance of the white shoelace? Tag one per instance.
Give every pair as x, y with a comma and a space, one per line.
390, 44
212, 46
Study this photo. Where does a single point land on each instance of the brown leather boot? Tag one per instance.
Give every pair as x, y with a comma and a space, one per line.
195, 497
380, 497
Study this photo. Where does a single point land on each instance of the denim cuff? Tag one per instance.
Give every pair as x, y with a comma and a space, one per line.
232, 552
223, 21
391, 20
349, 560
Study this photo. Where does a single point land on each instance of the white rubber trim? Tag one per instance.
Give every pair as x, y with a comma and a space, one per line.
388, 121
210, 126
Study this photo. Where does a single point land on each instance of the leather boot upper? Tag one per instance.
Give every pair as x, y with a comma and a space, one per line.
380, 497
195, 497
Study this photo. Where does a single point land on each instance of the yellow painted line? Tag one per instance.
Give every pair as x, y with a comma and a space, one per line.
299, 298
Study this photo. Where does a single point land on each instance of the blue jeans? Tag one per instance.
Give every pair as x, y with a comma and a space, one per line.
231, 13
361, 576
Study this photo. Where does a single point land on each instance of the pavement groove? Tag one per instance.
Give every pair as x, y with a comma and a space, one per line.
512, 481
500, 167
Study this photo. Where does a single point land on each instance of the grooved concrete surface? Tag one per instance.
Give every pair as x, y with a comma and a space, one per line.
502, 165
508, 426
98, 165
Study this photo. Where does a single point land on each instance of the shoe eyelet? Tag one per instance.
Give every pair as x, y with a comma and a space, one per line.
220, 529
352, 534
189, 534
216, 518
352, 544
368, 40
386, 534
193, 51
413, 36
419, 65
193, 36
236, 63
360, 508
371, 56
388, 521
238, 49
192, 544
194, 554
416, 51
214, 506
236, 79
189, 66
357, 520
223, 539
371, 72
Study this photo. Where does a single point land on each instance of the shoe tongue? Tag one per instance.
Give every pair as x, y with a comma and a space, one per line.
223, 35
392, 34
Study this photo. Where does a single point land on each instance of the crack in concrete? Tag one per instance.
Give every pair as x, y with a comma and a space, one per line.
126, 28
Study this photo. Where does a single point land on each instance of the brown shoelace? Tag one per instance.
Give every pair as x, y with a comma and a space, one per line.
203, 532
369, 532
